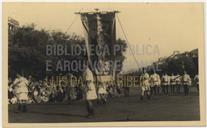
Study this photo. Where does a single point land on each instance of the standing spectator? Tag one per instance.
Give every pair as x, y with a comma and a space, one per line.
196, 81
72, 88
102, 93
30, 86
110, 89
59, 94
10, 90
79, 92
52, 97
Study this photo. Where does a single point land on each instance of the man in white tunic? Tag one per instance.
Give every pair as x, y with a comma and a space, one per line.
144, 84
178, 83
186, 80
165, 83
155, 83
172, 83
20, 85
90, 91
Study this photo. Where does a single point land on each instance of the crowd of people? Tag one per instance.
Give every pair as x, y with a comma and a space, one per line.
167, 84
42, 91
24, 90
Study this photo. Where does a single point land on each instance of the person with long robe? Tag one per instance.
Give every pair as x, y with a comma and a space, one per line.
90, 92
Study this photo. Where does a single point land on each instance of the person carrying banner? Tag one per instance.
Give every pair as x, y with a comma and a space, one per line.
90, 92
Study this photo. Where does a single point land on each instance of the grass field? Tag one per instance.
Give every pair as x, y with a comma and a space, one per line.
159, 108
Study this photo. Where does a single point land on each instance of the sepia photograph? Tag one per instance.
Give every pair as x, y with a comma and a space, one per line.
96, 63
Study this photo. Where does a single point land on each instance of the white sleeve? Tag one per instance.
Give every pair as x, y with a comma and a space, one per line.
169, 78
16, 81
189, 79
159, 80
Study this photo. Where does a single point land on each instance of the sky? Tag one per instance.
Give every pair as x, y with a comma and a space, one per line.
153, 30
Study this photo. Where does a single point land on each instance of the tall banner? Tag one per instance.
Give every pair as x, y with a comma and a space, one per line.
100, 36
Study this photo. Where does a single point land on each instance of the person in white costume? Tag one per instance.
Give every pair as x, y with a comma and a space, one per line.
186, 80
20, 86
172, 84
155, 83
144, 84
90, 91
165, 83
178, 83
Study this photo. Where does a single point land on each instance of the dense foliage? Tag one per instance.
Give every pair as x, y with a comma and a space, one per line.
27, 51
187, 61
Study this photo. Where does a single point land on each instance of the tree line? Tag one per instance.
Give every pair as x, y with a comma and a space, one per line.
27, 51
